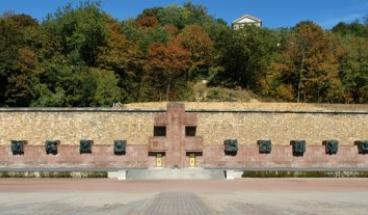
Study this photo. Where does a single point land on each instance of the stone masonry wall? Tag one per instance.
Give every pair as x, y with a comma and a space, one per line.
247, 125
69, 127
281, 127
214, 127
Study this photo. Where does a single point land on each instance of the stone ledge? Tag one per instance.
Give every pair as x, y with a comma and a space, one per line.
78, 110
257, 106
215, 107
276, 111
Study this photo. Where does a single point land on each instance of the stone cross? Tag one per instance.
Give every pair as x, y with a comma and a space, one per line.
175, 144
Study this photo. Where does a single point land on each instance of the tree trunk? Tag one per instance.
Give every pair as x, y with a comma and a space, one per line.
168, 90
300, 77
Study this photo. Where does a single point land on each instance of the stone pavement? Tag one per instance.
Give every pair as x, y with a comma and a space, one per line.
179, 203
286, 196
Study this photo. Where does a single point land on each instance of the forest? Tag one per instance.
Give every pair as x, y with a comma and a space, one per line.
80, 56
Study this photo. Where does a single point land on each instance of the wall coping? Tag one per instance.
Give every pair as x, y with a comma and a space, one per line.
79, 110
280, 111
158, 110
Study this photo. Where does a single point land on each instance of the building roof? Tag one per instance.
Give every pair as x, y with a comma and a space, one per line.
248, 17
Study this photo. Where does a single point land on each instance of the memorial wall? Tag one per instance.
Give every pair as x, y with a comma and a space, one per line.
191, 135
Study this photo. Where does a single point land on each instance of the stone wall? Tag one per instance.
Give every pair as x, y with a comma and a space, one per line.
281, 127
246, 124
69, 126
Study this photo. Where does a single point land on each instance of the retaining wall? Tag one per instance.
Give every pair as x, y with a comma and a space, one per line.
247, 125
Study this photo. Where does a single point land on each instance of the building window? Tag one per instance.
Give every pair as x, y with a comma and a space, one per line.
190, 131
159, 131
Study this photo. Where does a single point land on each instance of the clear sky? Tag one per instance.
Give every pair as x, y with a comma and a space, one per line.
274, 13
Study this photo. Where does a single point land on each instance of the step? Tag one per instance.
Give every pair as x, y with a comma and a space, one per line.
174, 174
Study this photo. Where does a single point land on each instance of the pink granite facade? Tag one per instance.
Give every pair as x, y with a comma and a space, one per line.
176, 145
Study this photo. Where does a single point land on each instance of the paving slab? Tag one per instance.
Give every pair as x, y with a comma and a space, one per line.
180, 203
288, 196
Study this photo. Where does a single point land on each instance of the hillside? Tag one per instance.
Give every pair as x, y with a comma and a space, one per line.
81, 56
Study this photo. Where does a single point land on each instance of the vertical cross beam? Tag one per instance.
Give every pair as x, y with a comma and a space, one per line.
175, 134
175, 144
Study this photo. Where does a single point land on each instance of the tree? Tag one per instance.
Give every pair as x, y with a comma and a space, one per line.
353, 29
78, 32
124, 58
308, 64
148, 21
69, 86
18, 58
107, 91
173, 14
166, 65
200, 46
246, 56
143, 36
354, 69
80, 56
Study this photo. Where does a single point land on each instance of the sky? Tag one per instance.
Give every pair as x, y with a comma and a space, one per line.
274, 13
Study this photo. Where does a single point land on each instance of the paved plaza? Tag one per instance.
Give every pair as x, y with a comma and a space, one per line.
246, 196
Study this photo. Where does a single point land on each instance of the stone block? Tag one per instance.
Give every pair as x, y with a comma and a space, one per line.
119, 175
234, 174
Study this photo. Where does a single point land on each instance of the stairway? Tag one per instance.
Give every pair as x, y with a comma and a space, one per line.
174, 174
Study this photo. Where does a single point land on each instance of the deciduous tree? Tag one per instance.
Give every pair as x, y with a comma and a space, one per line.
200, 46
166, 65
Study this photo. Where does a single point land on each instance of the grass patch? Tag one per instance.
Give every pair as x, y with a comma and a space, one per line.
305, 174
53, 174
203, 93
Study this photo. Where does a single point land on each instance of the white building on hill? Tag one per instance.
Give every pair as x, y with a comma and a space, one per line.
246, 20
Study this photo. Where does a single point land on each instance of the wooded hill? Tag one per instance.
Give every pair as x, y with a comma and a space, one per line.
81, 56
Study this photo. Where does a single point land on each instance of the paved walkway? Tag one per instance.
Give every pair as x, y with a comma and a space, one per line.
177, 203
208, 197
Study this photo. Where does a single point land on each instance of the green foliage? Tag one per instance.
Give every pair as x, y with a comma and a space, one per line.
307, 66
352, 29
60, 85
246, 56
66, 86
107, 90
354, 70
18, 58
174, 15
80, 56
80, 32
